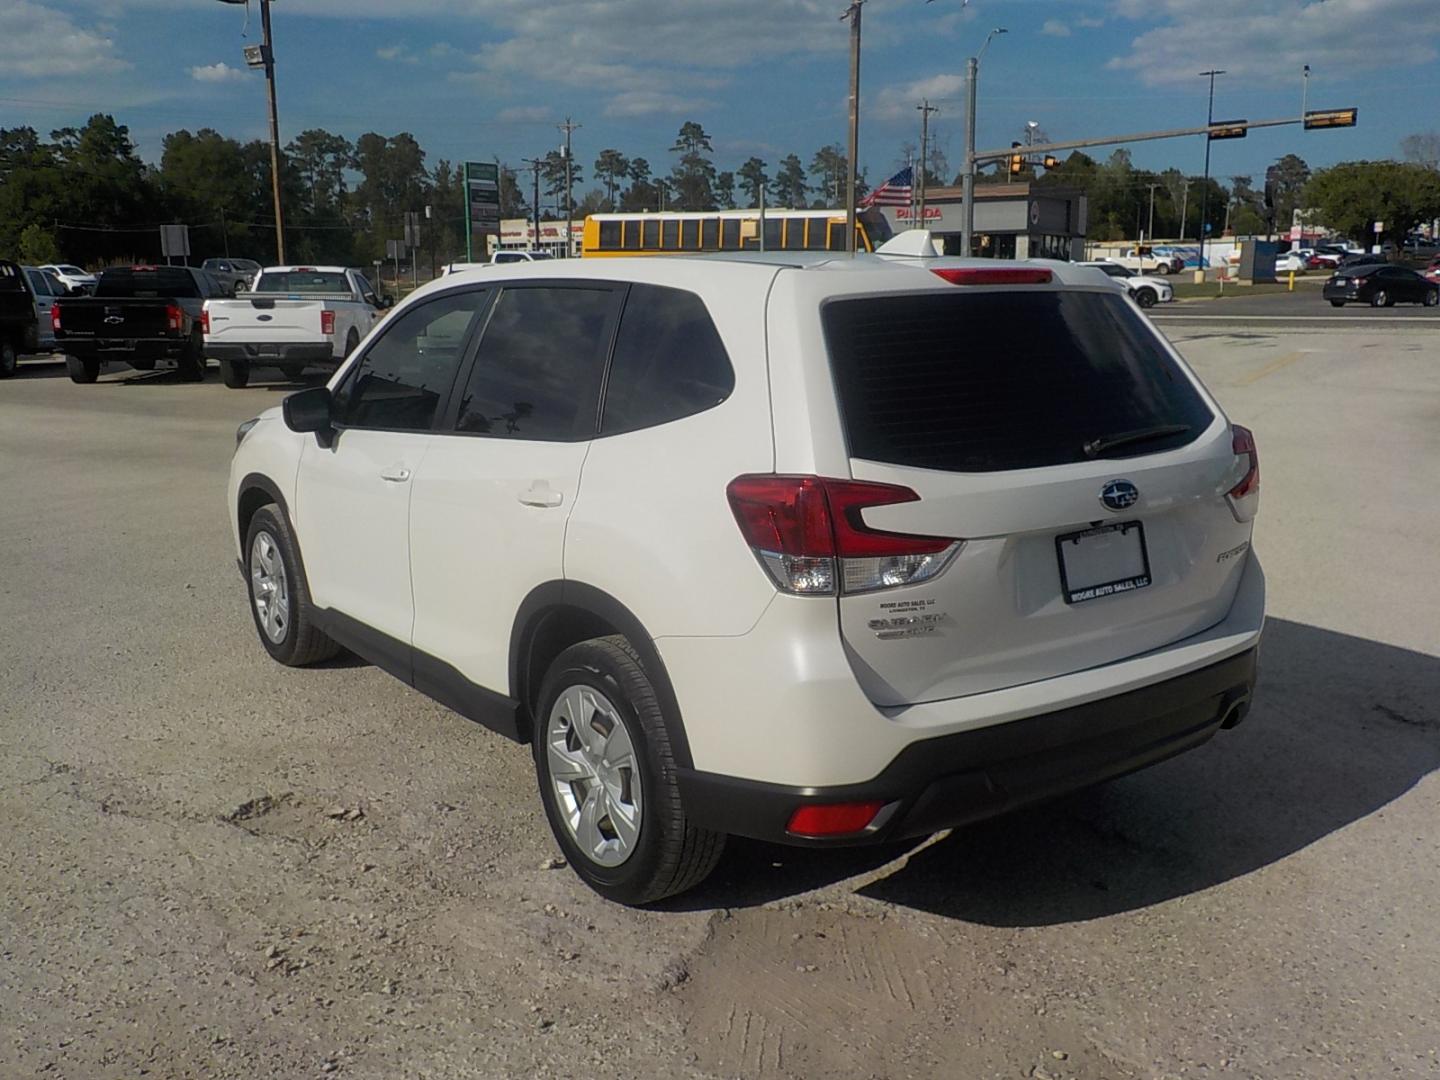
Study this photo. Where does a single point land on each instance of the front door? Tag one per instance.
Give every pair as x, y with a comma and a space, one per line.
352, 512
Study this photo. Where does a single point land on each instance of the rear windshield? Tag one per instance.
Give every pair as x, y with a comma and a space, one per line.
161, 282
307, 282
993, 381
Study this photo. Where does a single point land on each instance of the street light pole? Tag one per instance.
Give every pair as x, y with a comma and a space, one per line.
1205, 185
853, 14
972, 76
925, 110
266, 60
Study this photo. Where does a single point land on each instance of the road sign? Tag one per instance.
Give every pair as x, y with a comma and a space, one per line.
412, 229
175, 241
1228, 129
482, 201
1331, 118
394, 249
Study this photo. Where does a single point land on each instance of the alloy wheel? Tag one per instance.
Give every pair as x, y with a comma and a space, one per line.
594, 773
269, 587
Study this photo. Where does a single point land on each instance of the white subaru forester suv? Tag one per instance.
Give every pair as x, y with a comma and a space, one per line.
811, 549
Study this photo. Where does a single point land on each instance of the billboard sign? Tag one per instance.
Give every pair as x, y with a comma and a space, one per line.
482, 201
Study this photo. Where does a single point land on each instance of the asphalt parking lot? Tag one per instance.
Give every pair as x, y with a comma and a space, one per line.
212, 866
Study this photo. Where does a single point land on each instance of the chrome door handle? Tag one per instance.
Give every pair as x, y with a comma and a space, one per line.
397, 475
542, 496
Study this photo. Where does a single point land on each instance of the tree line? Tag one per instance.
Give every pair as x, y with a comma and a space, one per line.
84, 195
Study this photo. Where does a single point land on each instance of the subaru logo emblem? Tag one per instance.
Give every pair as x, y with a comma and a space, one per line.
1119, 495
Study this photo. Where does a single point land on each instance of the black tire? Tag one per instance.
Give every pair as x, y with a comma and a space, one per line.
1146, 298
352, 342
1164, 269
143, 365
1432, 298
82, 371
235, 373
192, 361
669, 855
301, 642
9, 358
1337, 303
1379, 298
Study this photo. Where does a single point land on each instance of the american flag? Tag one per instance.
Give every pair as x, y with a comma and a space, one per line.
897, 191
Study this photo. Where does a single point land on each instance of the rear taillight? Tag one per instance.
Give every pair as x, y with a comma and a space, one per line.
808, 533
205, 322
55, 317
327, 322
833, 819
998, 276
1245, 496
174, 317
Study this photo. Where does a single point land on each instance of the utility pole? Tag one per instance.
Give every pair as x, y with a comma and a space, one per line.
1185, 207
853, 14
1205, 188
569, 129
1150, 230
972, 77
534, 164
274, 131
925, 110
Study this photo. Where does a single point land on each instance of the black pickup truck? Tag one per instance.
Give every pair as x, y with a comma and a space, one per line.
139, 315
17, 318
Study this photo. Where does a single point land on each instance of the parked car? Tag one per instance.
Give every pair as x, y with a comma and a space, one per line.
72, 277
142, 316
735, 558
17, 318
237, 275
1146, 260
295, 316
1380, 286
1147, 291
1291, 262
45, 290
1315, 259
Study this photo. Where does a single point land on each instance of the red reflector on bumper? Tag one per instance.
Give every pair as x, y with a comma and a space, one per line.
833, 819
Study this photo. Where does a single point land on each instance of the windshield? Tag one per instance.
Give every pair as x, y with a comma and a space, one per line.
68, 269
303, 282
942, 381
149, 283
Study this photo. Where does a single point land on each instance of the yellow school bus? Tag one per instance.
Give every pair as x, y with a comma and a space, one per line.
683, 232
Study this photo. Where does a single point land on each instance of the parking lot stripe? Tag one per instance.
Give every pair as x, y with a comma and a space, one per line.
1272, 367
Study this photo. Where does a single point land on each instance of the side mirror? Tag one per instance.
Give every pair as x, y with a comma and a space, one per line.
386, 303
310, 410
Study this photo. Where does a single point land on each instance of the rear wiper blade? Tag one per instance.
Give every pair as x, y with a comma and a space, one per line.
1096, 447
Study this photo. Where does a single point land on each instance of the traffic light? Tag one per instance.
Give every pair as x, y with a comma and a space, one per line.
1331, 118
1228, 129
1051, 161
1017, 161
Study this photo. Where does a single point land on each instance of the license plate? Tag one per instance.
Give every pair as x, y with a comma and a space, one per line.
1103, 561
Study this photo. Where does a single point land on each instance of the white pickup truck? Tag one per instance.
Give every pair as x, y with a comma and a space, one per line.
293, 317
1146, 260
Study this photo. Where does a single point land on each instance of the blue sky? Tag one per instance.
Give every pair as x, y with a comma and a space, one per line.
486, 78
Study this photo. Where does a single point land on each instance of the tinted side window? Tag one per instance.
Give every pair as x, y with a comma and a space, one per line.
669, 361
399, 382
537, 375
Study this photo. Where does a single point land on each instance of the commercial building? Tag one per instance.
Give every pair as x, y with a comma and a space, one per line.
1012, 221
518, 234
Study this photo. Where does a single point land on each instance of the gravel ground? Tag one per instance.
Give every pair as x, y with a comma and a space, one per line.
212, 866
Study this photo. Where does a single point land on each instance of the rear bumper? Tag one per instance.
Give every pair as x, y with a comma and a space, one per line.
283, 352
970, 775
122, 350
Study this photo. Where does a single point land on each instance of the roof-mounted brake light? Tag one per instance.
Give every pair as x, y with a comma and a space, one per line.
997, 276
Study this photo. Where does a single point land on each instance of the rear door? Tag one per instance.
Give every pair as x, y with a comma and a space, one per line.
1055, 435
491, 504
44, 300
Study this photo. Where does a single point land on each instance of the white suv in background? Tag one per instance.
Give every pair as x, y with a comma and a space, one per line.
821, 551
1146, 289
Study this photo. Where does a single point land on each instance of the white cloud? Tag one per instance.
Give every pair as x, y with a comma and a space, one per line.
895, 102
40, 41
399, 54
525, 114
1055, 28
1271, 41
217, 73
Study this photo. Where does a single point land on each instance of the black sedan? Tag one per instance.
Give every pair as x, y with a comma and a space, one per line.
1380, 286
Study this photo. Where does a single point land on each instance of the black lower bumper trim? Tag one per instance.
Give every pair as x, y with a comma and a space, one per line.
956, 779
302, 352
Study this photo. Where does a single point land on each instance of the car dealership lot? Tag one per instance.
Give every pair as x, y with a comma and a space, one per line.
215, 866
